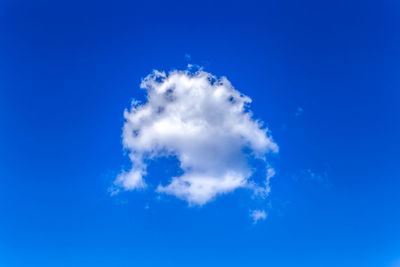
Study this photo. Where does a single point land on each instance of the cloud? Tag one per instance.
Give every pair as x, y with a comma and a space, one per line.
263, 191
203, 122
258, 215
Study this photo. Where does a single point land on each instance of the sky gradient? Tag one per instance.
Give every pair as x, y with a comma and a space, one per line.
322, 76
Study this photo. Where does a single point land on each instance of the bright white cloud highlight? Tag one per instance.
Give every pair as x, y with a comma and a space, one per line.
204, 123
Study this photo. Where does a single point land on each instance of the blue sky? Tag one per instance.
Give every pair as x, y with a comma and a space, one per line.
323, 77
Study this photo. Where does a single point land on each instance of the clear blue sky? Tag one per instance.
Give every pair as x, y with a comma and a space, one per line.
323, 75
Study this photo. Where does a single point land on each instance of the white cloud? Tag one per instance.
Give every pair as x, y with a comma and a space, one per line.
258, 215
203, 122
264, 190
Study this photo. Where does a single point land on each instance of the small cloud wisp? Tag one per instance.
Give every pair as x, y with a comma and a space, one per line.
258, 215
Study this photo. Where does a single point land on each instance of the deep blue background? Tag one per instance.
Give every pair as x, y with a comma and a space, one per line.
68, 70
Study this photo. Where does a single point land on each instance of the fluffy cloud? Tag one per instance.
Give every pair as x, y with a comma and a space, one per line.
203, 122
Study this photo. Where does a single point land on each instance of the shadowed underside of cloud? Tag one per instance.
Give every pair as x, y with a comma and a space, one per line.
203, 122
